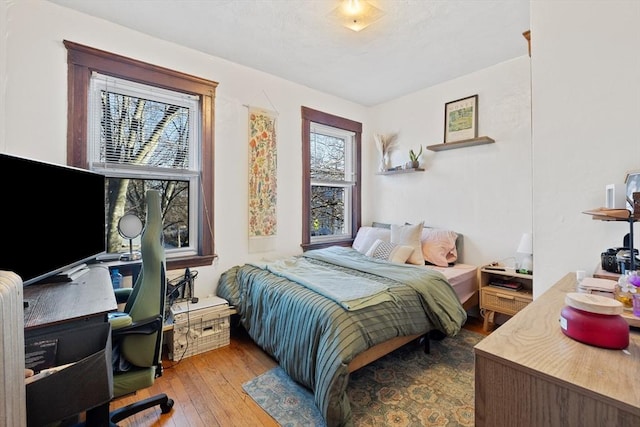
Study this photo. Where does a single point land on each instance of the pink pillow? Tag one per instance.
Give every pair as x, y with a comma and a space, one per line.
439, 246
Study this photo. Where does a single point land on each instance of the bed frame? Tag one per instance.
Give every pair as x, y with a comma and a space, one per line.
379, 350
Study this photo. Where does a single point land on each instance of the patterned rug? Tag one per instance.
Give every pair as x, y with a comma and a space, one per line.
404, 388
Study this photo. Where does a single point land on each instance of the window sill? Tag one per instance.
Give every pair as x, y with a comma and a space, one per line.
326, 244
191, 261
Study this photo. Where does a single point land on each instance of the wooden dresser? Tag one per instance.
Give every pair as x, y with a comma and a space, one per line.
528, 373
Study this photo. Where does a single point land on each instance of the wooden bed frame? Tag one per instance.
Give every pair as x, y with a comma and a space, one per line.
384, 348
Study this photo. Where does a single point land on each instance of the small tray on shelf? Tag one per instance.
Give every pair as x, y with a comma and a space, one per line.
631, 319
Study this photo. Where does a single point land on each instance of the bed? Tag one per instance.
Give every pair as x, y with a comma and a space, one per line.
441, 250
296, 310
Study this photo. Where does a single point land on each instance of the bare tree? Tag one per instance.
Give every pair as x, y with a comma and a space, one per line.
327, 201
139, 132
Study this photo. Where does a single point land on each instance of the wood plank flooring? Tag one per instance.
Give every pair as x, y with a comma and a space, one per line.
207, 388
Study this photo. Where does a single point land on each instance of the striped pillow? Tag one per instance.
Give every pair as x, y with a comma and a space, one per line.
390, 251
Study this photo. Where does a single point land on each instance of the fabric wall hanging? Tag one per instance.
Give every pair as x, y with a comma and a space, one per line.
263, 219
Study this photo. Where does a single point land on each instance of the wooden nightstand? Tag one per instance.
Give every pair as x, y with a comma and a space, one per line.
494, 299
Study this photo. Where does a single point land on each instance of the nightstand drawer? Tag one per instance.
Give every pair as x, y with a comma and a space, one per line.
503, 301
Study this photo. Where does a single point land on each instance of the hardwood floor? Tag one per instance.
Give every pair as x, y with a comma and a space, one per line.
207, 388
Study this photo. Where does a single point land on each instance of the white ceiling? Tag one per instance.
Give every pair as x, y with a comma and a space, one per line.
416, 44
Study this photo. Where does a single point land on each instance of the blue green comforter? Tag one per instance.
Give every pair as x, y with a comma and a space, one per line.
314, 338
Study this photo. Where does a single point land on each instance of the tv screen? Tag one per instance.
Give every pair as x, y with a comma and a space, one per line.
52, 217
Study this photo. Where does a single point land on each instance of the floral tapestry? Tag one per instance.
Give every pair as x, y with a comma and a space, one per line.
262, 178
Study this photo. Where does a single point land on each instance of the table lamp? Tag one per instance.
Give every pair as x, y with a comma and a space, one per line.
526, 248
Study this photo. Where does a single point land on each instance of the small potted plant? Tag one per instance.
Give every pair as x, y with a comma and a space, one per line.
414, 158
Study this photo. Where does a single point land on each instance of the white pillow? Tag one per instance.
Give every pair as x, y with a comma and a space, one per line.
390, 251
409, 235
366, 237
439, 246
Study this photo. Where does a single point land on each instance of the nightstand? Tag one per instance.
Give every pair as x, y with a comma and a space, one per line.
497, 297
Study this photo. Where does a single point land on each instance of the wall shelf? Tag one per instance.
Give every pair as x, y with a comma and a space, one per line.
398, 171
481, 140
604, 214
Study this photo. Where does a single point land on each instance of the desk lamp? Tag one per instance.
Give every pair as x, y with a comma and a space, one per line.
526, 248
130, 227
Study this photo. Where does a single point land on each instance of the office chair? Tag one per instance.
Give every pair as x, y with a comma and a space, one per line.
137, 330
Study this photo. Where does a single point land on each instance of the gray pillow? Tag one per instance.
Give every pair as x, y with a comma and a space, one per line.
380, 225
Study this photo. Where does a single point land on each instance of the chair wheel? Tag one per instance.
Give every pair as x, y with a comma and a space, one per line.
166, 407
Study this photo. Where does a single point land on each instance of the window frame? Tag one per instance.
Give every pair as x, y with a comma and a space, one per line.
310, 116
114, 168
82, 61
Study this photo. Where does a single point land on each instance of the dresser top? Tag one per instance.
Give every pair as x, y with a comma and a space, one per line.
533, 340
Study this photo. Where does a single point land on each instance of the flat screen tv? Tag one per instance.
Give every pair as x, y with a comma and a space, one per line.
52, 217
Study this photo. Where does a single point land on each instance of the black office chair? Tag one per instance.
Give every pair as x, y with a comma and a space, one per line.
137, 330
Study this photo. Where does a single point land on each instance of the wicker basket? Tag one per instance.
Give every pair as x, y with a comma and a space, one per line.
504, 301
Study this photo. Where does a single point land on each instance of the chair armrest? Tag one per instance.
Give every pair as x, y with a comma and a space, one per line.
119, 320
143, 327
122, 294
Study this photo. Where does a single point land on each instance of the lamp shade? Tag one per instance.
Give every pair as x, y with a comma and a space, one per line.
526, 244
526, 248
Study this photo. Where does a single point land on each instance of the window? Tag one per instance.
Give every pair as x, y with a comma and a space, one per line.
331, 170
332, 180
146, 127
141, 138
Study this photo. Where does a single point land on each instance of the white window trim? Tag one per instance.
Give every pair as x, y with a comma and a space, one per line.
100, 82
350, 166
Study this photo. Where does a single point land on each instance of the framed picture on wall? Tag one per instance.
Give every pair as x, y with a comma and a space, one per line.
632, 182
461, 119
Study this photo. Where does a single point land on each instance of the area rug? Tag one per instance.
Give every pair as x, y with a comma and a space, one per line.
404, 388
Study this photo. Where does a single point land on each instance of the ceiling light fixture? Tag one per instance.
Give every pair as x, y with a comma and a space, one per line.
357, 14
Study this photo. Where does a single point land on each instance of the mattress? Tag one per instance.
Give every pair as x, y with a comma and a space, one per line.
462, 277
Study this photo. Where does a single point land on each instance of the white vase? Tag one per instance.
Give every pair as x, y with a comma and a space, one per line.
383, 163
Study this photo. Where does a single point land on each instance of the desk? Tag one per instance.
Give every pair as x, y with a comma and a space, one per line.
57, 306
74, 315
528, 373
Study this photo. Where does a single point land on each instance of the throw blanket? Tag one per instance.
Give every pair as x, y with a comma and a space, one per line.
441, 303
352, 292
314, 338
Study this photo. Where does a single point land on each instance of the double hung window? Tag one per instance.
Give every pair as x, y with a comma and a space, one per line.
144, 127
331, 159
142, 137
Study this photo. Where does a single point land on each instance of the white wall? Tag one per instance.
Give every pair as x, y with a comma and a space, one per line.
483, 192
35, 119
586, 127
585, 108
